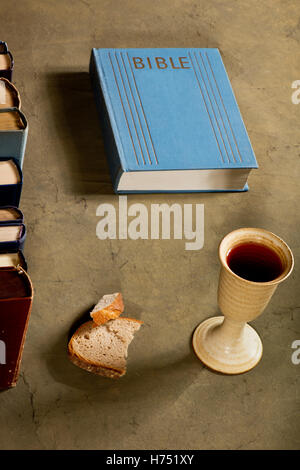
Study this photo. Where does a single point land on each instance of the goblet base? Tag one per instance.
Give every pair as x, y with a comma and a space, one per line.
224, 354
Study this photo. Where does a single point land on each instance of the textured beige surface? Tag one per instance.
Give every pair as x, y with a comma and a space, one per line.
167, 398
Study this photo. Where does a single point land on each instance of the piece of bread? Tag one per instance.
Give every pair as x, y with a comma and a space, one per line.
102, 349
109, 307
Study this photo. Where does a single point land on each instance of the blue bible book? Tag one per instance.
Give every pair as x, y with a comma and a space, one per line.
13, 134
170, 121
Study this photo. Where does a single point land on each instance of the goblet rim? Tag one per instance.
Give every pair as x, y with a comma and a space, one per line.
286, 273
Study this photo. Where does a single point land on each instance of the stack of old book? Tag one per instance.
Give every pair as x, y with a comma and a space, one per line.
13, 136
15, 285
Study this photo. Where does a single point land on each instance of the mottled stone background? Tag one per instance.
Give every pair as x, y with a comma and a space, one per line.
167, 400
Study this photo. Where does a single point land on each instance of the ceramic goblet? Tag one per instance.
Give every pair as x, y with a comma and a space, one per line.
227, 343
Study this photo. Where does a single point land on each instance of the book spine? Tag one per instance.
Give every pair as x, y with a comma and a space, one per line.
13, 142
14, 317
22, 147
10, 194
17, 221
22, 237
23, 261
14, 245
113, 147
6, 74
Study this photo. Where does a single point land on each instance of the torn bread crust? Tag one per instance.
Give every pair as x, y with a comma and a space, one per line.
95, 369
108, 308
122, 335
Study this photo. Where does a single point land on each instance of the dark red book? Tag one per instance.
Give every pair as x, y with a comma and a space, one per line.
16, 294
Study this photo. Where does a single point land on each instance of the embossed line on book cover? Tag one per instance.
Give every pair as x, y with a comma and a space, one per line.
125, 86
129, 106
212, 107
142, 108
210, 84
136, 110
210, 119
224, 107
209, 99
125, 115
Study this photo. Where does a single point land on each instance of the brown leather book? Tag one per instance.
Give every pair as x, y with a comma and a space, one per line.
9, 95
16, 294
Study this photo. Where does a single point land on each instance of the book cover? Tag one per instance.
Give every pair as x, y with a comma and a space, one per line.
13, 259
16, 294
9, 95
13, 134
11, 182
6, 61
170, 121
11, 215
12, 237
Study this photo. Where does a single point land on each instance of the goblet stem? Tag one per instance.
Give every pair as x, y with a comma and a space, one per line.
229, 334
231, 331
